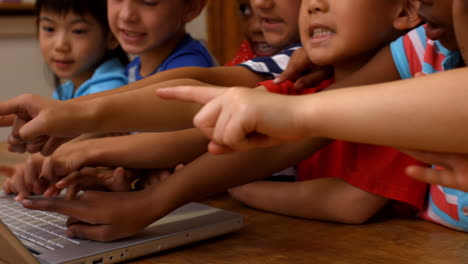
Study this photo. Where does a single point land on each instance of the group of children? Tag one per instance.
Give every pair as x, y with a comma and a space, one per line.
337, 180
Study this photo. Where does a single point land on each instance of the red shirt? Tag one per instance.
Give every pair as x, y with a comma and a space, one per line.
375, 169
244, 53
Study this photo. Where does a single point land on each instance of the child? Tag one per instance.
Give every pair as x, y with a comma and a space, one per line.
207, 180
155, 32
348, 162
106, 152
428, 49
77, 45
254, 44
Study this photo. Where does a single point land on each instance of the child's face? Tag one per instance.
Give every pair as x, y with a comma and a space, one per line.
438, 16
345, 32
251, 24
72, 45
143, 26
279, 20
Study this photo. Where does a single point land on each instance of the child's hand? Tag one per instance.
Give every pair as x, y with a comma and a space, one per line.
98, 179
23, 179
460, 24
453, 175
241, 119
103, 216
69, 158
40, 123
301, 70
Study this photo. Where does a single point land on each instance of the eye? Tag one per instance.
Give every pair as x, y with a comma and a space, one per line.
47, 29
151, 2
79, 31
245, 10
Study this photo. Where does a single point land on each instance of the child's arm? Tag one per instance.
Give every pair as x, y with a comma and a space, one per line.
329, 199
417, 113
205, 176
139, 110
142, 151
219, 76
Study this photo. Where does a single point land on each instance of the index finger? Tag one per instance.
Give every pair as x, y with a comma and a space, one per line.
6, 121
197, 94
73, 208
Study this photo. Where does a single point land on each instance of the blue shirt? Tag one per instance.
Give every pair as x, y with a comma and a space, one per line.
271, 66
189, 52
108, 76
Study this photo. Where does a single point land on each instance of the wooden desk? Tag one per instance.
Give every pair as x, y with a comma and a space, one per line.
270, 238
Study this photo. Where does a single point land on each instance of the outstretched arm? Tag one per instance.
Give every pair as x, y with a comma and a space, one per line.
140, 151
427, 113
205, 176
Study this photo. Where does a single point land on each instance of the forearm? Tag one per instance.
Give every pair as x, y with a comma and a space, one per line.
147, 150
427, 113
328, 199
218, 76
139, 110
210, 174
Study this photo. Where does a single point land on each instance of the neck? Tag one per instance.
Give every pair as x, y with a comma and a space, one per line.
346, 68
79, 80
151, 60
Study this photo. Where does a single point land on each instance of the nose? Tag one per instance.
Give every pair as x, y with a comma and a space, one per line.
262, 4
254, 25
127, 11
315, 6
62, 43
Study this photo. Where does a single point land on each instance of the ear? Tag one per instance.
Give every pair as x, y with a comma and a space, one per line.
193, 8
112, 42
407, 16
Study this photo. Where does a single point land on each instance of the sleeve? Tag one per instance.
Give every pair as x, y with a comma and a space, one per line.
186, 59
104, 86
375, 169
408, 52
271, 66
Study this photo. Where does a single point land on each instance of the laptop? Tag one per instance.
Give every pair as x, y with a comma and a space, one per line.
28, 236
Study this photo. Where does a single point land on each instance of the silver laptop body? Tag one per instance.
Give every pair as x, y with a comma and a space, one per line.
28, 236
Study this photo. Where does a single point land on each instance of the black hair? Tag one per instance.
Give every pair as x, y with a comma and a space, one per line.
95, 8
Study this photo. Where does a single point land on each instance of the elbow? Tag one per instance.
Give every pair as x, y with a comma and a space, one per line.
361, 211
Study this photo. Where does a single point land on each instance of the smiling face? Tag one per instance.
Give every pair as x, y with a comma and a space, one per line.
72, 45
279, 20
252, 28
438, 16
341, 33
143, 26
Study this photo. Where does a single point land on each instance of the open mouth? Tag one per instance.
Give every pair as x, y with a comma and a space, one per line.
320, 33
263, 49
132, 35
434, 31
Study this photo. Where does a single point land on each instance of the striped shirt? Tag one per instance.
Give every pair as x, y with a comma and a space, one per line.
271, 66
415, 53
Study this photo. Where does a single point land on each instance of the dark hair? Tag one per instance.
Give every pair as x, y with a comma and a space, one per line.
95, 8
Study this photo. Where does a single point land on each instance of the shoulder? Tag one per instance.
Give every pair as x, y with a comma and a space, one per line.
108, 76
190, 52
274, 65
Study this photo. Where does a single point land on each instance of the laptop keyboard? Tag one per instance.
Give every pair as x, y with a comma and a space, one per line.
44, 229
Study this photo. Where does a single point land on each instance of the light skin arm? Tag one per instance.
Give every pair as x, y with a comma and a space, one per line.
393, 114
140, 151
328, 199
219, 76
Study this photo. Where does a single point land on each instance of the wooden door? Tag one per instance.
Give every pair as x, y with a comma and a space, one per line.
224, 31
